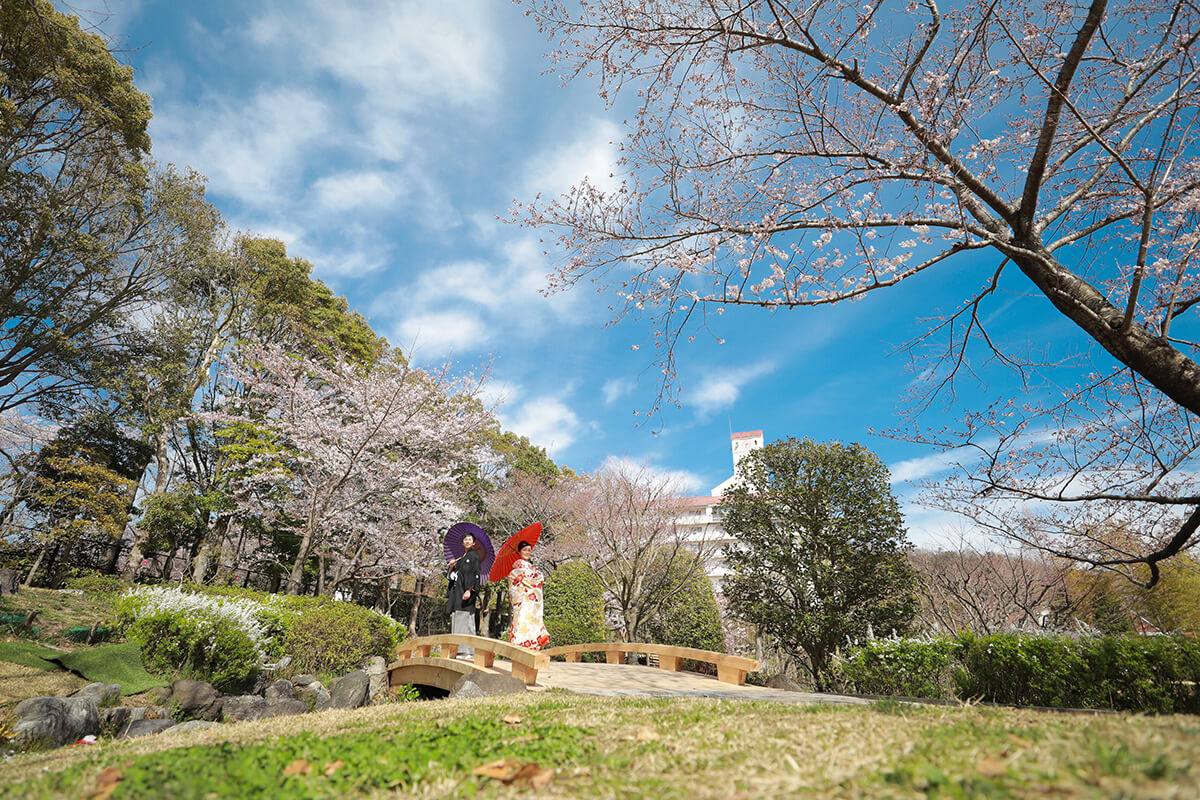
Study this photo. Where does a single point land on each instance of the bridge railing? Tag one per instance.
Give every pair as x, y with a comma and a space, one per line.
730, 669
525, 662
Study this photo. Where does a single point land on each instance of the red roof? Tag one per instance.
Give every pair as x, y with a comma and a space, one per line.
699, 501
746, 435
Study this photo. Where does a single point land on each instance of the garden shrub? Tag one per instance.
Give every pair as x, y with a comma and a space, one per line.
1157, 674
97, 585
198, 644
213, 635
328, 637
574, 605
689, 618
903, 667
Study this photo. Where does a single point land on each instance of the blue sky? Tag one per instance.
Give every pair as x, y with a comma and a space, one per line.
382, 141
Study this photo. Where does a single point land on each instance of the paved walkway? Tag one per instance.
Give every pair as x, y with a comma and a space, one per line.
623, 680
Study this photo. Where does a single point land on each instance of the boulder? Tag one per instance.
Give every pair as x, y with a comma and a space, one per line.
241, 708
154, 712
55, 721
784, 683
305, 679
160, 694
377, 675
104, 693
10, 581
196, 699
115, 718
194, 725
279, 689
145, 727
483, 684
315, 696
350, 690
285, 707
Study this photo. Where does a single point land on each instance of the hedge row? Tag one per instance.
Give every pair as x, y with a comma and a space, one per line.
1158, 674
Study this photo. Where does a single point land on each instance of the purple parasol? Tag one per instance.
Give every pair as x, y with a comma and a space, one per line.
453, 546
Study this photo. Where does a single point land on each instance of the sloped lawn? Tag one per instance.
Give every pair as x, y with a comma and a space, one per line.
560, 745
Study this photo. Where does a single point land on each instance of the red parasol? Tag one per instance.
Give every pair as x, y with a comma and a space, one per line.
507, 555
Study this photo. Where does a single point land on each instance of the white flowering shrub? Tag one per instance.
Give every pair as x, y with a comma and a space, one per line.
219, 639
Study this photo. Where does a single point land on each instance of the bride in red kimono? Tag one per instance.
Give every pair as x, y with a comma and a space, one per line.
525, 590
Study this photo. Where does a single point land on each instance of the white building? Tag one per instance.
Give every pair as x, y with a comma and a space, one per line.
701, 520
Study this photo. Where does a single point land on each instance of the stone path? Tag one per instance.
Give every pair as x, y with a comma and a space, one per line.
623, 680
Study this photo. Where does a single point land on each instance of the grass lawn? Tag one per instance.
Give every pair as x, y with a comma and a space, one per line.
59, 610
631, 748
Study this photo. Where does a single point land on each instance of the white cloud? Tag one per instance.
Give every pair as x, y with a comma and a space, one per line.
616, 388
720, 388
914, 469
433, 336
679, 480
345, 191
496, 394
592, 154
545, 421
256, 151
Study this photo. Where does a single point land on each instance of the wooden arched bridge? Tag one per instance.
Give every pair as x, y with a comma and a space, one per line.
417, 664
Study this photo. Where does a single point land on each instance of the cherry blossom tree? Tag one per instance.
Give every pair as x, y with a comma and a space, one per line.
626, 528
360, 463
782, 156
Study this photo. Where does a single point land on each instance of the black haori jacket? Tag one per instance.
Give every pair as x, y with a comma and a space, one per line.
464, 576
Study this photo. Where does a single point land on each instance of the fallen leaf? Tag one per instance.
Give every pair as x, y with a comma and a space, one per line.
1012, 737
647, 735
511, 772
502, 769
533, 775
334, 767
107, 783
991, 767
298, 767
512, 719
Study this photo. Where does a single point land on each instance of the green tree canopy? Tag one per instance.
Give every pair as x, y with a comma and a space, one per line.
819, 548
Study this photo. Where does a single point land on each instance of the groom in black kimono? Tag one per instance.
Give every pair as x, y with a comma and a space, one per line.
463, 590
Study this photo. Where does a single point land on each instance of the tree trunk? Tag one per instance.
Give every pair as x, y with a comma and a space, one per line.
36, 565
162, 478
415, 609
296, 578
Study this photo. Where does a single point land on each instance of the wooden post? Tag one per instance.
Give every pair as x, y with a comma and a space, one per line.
573, 658
669, 663
484, 658
449, 650
731, 675
614, 657
424, 650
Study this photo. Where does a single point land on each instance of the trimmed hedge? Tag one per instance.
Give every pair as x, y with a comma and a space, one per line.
574, 605
1157, 674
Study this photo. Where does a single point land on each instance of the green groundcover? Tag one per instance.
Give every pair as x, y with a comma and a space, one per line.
28, 655
114, 663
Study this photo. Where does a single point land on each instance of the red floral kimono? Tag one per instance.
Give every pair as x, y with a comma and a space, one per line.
525, 591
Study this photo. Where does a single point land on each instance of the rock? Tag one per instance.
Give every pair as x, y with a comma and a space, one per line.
194, 725
350, 690
10, 581
305, 679
104, 693
483, 684
145, 727
278, 689
156, 712
55, 721
115, 718
160, 694
284, 707
377, 675
784, 683
315, 696
196, 699
241, 708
